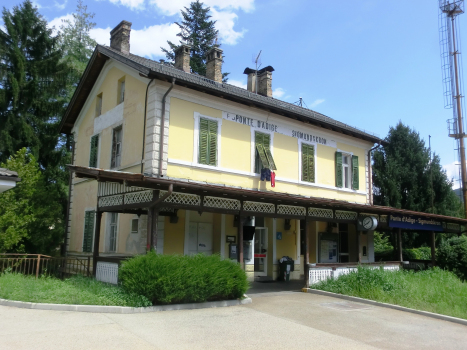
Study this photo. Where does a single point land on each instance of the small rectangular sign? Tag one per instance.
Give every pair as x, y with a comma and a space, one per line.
414, 222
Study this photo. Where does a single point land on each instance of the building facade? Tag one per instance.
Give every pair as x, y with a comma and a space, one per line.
185, 164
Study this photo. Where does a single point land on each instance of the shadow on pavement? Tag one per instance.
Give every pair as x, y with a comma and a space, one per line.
265, 288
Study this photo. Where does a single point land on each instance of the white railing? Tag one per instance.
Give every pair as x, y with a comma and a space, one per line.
107, 272
318, 274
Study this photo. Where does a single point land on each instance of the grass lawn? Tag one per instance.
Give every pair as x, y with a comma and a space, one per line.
433, 290
75, 290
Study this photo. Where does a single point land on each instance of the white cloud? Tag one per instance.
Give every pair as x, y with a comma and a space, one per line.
58, 21
222, 11
60, 6
144, 42
452, 172
132, 4
278, 92
225, 25
317, 102
173, 7
237, 83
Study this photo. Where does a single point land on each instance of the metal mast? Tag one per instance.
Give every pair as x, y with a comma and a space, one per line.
449, 10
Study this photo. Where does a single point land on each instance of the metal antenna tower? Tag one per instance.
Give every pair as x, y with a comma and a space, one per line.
257, 65
451, 65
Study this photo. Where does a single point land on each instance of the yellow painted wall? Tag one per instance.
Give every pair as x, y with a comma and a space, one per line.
235, 154
132, 125
174, 235
287, 245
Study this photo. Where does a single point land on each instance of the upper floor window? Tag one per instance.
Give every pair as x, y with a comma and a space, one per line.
116, 148
347, 171
99, 105
207, 142
263, 155
93, 154
121, 90
308, 162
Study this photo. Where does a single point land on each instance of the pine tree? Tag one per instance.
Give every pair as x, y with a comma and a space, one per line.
402, 171
402, 179
197, 29
32, 86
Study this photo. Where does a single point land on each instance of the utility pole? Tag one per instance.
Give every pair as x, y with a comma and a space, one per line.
431, 176
459, 119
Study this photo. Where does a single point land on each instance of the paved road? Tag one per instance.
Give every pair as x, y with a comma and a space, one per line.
280, 320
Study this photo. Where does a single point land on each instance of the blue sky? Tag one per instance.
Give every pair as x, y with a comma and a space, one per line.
367, 63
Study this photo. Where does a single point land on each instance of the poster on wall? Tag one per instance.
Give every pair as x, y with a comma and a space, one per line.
328, 251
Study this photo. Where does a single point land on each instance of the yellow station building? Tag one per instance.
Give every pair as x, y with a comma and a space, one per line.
167, 159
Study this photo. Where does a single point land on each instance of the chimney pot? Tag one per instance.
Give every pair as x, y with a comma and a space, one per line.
120, 37
214, 64
182, 58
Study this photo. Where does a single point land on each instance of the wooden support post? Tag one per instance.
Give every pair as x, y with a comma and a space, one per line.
155, 228
359, 258
240, 240
38, 265
97, 237
399, 243
433, 249
306, 255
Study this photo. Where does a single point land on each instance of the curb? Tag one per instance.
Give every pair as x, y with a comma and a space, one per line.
389, 306
123, 309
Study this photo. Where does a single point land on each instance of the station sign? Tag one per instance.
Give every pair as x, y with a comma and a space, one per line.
414, 222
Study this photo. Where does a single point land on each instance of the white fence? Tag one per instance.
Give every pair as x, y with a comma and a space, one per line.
323, 273
107, 272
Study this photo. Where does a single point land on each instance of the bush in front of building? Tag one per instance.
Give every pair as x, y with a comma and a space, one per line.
452, 256
174, 279
422, 253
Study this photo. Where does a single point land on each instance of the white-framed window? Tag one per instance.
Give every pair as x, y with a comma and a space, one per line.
116, 147
99, 104
266, 139
88, 232
121, 90
207, 140
307, 161
113, 233
347, 170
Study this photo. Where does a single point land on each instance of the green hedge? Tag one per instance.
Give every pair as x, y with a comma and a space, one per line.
422, 253
172, 279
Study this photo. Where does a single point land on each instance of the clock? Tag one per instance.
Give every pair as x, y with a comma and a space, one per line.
367, 223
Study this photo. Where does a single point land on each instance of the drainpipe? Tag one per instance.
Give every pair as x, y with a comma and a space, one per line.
370, 197
161, 140
144, 128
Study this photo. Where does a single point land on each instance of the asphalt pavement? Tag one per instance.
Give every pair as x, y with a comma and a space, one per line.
278, 320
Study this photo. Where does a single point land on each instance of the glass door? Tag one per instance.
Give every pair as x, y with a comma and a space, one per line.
261, 246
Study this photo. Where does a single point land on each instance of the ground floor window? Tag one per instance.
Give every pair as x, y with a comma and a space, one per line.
113, 227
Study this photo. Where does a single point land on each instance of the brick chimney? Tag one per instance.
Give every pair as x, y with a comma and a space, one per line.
182, 58
120, 37
214, 64
265, 81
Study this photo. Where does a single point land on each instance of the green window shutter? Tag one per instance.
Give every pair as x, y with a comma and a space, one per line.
308, 163
207, 142
338, 169
94, 151
212, 143
264, 141
355, 180
88, 231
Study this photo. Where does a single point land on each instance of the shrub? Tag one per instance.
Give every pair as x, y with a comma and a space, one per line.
422, 253
452, 255
169, 279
